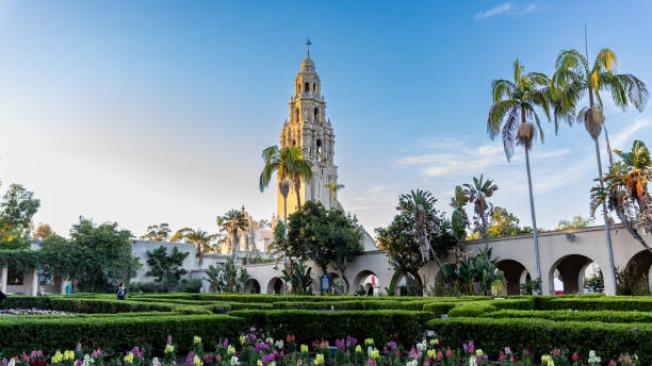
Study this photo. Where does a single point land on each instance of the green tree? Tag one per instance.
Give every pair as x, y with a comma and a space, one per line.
233, 223
504, 223
577, 222
574, 78
299, 276
478, 193
167, 269
290, 166
512, 115
324, 236
227, 277
108, 255
417, 234
17, 208
157, 232
64, 258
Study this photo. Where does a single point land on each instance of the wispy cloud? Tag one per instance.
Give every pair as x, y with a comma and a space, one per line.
503, 8
508, 9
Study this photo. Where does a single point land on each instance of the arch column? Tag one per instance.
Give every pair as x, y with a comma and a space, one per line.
3, 277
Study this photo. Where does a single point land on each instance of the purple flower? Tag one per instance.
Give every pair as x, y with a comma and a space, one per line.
36, 354
392, 346
267, 358
261, 346
138, 353
340, 344
97, 353
78, 363
469, 347
350, 341
225, 343
169, 340
190, 359
371, 362
4, 362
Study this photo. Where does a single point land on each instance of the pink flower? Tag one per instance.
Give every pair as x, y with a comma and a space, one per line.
449, 353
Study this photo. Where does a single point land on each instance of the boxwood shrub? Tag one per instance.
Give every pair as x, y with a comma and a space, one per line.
594, 303
540, 335
308, 325
87, 305
576, 315
23, 334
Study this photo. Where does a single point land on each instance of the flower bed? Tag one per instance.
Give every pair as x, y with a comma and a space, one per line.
16, 312
250, 350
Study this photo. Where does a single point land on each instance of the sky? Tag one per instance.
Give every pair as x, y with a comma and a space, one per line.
142, 112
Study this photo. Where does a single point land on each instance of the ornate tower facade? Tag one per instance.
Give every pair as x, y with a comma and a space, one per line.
309, 129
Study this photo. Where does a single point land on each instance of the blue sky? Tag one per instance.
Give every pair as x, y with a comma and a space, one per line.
156, 111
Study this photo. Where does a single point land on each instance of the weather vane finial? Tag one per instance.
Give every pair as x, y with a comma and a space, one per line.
308, 44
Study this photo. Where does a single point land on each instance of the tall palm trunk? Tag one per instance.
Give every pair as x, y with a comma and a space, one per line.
234, 244
297, 190
485, 232
607, 228
605, 215
535, 234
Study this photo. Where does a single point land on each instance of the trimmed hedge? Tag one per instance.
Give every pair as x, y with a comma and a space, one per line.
99, 306
26, 302
575, 315
540, 336
23, 334
308, 325
478, 308
594, 303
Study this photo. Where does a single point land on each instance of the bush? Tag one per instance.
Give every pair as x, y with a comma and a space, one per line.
192, 285
575, 315
108, 306
308, 325
23, 334
594, 303
25, 302
540, 336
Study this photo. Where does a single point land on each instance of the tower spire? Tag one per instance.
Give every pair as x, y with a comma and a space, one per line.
308, 44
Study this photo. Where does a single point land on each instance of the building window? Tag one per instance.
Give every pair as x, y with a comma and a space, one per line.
316, 114
319, 149
306, 87
296, 115
14, 277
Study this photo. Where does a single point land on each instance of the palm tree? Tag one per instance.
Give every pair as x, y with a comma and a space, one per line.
333, 187
515, 103
420, 206
574, 78
233, 222
625, 191
202, 240
290, 166
478, 192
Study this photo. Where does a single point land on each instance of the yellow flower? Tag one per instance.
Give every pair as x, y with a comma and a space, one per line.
243, 339
230, 349
374, 354
358, 349
431, 353
169, 348
479, 352
434, 342
58, 357
259, 363
197, 361
129, 358
304, 348
319, 359
271, 363
196, 340
369, 342
68, 355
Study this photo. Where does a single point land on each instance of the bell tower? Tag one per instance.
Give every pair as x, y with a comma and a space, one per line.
309, 129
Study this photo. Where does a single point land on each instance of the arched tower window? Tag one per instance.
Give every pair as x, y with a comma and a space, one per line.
306, 87
296, 115
319, 149
316, 114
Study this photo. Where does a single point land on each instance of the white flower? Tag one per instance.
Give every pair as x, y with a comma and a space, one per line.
88, 360
279, 344
411, 363
422, 346
156, 362
12, 362
472, 361
593, 358
234, 361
